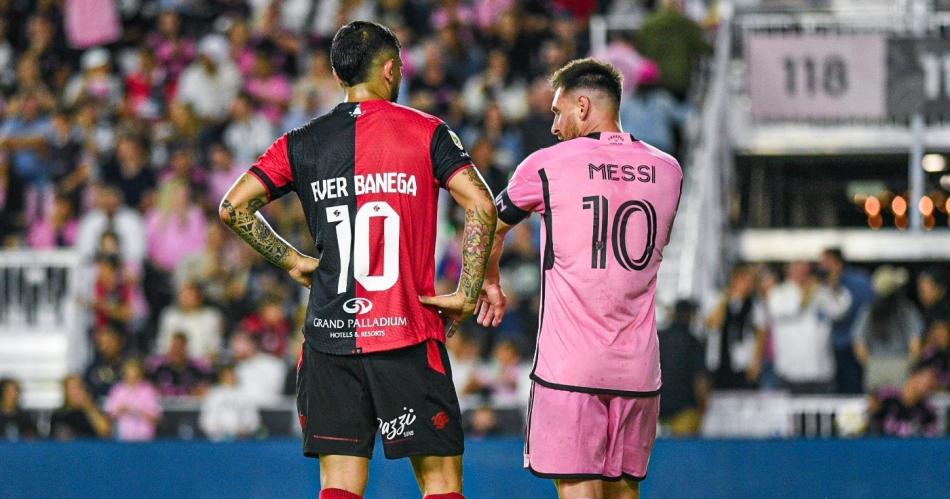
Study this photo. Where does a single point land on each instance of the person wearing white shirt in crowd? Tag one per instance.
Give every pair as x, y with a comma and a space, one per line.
249, 133
200, 323
802, 310
227, 412
260, 375
464, 359
110, 214
211, 83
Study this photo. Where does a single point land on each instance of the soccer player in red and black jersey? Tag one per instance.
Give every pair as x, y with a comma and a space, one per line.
368, 175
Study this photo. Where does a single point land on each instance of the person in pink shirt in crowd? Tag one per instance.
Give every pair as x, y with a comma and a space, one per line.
271, 89
242, 47
608, 202
224, 170
176, 227
57, 229
173, 50
134, 405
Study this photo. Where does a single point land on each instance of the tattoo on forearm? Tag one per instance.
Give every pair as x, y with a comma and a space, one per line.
477, 241
252, 228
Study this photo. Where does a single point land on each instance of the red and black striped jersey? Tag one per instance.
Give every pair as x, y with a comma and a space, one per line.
368, 175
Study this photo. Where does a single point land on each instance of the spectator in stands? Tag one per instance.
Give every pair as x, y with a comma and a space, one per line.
937, 353
176, 373
130, 171
260, 375
249, 133
932, 292
173, 49
201, 323
212, 268
176, 227
11, 202
888, 331
227, 412
505, 377
496, 84
144, 84
225, 170
536, 126
906, 410
79, 416
106, 367
849, 374
676, 43
15, 423
95, 82
271, 89
211, 83
801, 310
483, 155
737, 334
57, 229
134, 404
270, 325
481, 423
24, 133
64, 155
651, 112
464, 357
109, 214
112, 295
316, 83
685, 386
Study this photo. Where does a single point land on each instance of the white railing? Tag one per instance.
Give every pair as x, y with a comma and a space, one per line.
697, 252
41, 323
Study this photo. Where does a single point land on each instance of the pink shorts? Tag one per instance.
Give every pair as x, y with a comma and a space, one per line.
574, 435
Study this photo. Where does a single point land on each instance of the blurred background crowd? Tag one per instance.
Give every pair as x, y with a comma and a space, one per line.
123, 124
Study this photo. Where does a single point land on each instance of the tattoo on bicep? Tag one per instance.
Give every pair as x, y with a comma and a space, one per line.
252, 228
477, 240
476, 179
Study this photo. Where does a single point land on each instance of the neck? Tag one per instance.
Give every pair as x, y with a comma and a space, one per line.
8, 407
364, 92
611, 124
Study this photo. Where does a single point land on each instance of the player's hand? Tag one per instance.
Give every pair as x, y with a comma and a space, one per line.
453, 308
491, 305
302, 268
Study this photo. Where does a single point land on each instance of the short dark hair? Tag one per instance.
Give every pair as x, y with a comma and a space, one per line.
356, 45
589, 73
835, 252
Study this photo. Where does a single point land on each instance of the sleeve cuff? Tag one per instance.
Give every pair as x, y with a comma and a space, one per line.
455, 170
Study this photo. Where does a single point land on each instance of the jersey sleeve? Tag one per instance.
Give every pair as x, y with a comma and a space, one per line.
524, 194
448, 154
274, 170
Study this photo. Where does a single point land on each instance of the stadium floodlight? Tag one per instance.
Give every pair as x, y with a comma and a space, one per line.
934, 163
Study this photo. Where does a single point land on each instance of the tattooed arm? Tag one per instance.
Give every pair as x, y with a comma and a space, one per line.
239, 211
492, 304
471, 193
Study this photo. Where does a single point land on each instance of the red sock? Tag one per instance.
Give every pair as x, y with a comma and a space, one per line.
338, 494
447, 495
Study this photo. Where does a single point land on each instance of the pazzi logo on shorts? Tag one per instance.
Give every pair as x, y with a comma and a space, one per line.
398, 426
357, 306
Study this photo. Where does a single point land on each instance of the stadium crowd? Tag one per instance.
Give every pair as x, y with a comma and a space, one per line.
123, 124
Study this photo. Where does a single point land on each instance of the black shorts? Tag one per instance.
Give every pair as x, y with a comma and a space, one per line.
406, 394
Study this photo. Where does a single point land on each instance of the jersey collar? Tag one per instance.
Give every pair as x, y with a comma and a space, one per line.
612, 137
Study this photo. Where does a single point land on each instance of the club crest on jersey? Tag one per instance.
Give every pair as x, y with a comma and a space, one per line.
456, 140
356, 111
358, 306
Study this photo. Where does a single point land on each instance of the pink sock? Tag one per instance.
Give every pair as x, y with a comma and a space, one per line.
447, 495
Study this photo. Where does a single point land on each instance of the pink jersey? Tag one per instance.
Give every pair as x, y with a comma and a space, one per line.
608, 203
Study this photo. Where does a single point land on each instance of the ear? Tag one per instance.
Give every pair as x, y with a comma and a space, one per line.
389, 70
583, 107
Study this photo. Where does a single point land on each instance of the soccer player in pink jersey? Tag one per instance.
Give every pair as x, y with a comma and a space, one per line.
607, 201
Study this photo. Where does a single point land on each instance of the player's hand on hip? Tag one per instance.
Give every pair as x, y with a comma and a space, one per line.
491, 305
453, 308
302, 269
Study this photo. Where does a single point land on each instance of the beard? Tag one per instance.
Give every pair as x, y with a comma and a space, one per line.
569, 131
394, 92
